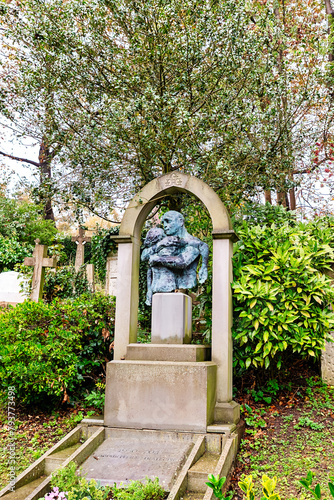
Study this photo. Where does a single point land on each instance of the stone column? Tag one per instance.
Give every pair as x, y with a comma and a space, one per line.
127, 294
222, 318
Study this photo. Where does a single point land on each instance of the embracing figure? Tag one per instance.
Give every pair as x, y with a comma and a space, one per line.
173, 256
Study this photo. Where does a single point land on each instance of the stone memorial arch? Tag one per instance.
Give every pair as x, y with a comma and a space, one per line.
129, 242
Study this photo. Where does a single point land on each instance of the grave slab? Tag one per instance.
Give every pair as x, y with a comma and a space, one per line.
121, 461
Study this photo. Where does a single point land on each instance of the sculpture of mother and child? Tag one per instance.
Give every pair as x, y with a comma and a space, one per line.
173, 256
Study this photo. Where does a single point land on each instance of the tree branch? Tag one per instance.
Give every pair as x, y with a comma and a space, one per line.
24, 160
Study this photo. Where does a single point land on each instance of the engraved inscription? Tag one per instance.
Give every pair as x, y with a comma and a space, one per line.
116, 461
173, 180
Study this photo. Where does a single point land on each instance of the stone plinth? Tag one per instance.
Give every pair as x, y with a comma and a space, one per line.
171, 318
160, 395
168, 352
327, 364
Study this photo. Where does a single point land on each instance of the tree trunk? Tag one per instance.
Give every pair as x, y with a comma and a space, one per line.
282, 199
267, 196
44, 157
292, 194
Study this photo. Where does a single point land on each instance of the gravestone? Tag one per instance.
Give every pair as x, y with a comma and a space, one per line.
39, 261
327, 355
119, 461
90, 273
327, 364
10, 288
80, 240
137, 388
111, 275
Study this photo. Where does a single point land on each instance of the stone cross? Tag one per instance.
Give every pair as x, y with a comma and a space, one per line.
80, 254
40, 261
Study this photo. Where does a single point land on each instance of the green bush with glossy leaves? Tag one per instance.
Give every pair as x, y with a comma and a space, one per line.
49, 352
281, 297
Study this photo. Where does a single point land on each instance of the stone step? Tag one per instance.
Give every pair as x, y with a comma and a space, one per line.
52, 462
22, 492
198, 473
168, 352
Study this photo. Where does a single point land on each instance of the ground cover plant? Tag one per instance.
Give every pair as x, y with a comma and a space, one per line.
289, 436
67, 485
51, 352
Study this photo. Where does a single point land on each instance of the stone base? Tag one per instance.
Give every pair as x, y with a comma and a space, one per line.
168, 352
171, 318
227, 413
160, 395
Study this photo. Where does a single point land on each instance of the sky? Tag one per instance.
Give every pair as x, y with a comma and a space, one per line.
23, 148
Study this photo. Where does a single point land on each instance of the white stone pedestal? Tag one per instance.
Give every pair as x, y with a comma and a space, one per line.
171, 318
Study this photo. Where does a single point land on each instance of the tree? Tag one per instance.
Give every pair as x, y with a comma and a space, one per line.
21, 223
142, 89
130, 90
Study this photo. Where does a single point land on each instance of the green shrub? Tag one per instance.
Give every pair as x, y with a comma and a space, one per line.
102, 245
64, 282
12, 252
281, 299
24, 222
49, 351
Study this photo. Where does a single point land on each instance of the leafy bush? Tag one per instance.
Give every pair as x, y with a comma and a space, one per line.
96, 397
21, 223
102, 244
281, 298
24, 222
12, 252
150, 490
48, 351
64, 282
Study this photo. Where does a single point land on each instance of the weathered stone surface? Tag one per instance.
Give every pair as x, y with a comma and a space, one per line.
168, 352
160, 395
10, 289
80, 240
121, 461
327, 363
171, 318
40, 261
111, 276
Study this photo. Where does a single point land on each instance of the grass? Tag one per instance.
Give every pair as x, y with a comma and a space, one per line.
287, 439
35, 433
